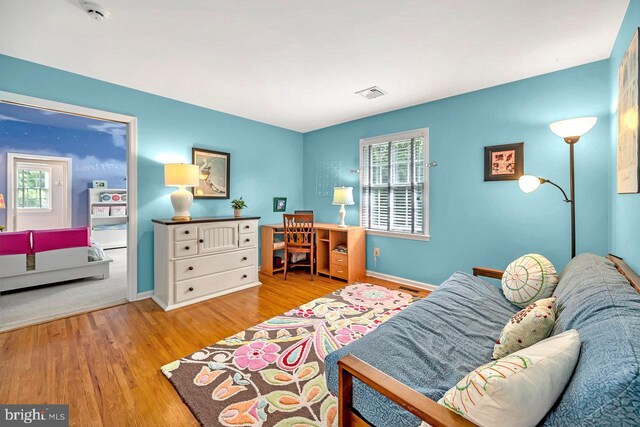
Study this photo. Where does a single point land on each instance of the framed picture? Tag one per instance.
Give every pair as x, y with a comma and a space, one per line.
279, 204
99, 183
628, 126
504, 162
215, 171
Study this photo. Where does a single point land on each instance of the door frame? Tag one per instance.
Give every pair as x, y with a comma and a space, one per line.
11, 158
132, 169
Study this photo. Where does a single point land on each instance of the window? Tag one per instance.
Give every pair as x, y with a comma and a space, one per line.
394, 184
33, 188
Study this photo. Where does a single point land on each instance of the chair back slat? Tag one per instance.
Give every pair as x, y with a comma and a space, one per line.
298, 230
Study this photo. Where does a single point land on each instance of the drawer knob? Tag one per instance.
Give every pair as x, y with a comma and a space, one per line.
244, 258
191, 289
247, 240
201, 240
190, 268
247, 226
186, 248
244, 276
186, 232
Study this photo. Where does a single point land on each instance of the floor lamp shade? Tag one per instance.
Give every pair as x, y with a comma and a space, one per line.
181, 175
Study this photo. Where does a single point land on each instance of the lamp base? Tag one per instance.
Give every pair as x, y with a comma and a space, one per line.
343, 212
181, 200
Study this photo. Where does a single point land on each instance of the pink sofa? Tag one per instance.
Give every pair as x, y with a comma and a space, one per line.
59, 255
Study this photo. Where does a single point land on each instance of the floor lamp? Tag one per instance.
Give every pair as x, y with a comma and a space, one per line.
571, 130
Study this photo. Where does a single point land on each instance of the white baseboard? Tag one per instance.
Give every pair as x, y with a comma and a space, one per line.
144, 295
401, 280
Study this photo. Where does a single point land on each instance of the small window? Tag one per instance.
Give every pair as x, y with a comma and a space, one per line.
394, 184
33, 189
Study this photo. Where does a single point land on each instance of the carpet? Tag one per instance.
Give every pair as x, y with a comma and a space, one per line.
272, 374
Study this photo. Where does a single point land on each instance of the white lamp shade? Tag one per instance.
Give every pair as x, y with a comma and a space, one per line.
573, 127
529, 183
343, 195
180, 174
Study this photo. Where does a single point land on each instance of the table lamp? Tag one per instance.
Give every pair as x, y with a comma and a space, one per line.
342, 196
181, 175
570, 130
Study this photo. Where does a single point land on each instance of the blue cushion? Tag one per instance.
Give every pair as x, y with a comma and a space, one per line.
429, 346
597, 301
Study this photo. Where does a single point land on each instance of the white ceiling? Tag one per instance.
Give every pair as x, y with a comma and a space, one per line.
297, 64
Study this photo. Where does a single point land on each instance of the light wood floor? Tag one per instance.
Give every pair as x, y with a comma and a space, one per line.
106, 364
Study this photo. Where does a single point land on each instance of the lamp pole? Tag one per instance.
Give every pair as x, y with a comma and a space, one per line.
572, 192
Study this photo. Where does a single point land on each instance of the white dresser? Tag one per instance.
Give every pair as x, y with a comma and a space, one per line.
203, 258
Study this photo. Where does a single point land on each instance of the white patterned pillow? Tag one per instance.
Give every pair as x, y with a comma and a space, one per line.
528, 279
528, 326
519, 389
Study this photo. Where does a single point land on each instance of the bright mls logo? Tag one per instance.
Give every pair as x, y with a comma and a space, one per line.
36, 415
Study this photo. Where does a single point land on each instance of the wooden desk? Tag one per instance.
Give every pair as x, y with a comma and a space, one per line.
350, 266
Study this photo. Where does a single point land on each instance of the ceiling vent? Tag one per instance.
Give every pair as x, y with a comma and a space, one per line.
372, 92
95, 11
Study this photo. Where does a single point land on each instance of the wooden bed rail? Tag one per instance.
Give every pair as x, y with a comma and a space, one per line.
488, 272
416, 403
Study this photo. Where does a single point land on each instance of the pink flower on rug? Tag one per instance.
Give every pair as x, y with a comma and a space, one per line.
352, 333
374, 296
256, 355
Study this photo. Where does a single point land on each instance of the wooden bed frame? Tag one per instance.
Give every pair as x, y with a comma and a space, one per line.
418, 404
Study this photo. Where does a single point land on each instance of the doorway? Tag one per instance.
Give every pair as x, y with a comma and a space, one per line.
54, 187
38, 192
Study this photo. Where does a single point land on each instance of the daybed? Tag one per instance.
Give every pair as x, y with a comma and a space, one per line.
436, 341
38, 257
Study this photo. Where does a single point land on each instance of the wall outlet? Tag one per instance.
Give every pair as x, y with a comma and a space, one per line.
376, 252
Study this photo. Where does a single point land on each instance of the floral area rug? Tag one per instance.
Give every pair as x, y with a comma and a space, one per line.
273, 373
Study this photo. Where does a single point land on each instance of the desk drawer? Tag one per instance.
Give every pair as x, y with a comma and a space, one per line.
214, 283
340, 271
205, 265
339, 259
186, 248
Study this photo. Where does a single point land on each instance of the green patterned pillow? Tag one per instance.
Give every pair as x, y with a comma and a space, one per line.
528, 326
528, 279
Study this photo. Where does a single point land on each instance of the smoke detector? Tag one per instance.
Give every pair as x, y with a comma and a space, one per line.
95, 11
372, 92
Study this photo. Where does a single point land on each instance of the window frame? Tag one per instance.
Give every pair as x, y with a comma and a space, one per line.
416, 133
34, 167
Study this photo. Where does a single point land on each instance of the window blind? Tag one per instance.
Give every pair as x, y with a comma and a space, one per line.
392, 186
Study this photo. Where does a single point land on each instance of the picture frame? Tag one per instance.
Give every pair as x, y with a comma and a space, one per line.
215, 173
504, 162
628, 144
98, 183
279, 204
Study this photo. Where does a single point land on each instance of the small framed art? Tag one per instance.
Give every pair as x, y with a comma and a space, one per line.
99, 183
504, 162
279, 204
215, 170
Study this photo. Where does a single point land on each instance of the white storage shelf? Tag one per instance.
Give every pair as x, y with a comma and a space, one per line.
107, 238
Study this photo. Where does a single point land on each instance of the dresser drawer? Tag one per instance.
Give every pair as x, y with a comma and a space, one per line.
214, 283
339, 259
206, 265
185, 232
248, 226
248, 240
185, 248
340, 271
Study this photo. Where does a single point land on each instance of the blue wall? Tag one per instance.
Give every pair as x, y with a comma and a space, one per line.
625, 208
97, 149
265, 160
487, 223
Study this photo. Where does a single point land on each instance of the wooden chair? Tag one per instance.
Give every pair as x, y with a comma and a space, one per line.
299, 237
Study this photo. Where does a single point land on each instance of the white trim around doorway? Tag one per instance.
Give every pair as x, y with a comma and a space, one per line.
132, 168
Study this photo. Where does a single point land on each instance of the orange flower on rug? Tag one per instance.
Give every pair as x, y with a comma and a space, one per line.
273, 373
